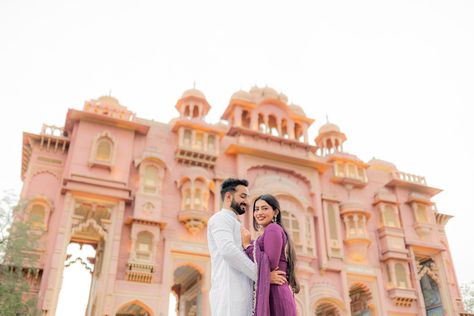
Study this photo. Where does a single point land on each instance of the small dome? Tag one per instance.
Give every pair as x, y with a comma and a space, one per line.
270, 92
241, 95
262, 93
297, 109
329, 127
283, 97
193, 93
108, 101
382, 164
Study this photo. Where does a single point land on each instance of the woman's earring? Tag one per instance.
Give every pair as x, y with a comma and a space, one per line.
274, 219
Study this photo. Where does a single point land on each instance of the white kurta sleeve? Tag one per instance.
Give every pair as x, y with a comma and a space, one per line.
221, 231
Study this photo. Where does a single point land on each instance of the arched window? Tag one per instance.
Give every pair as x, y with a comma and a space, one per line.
298, 132
104, 150
195, 111
334, 239
211, 143
361, 174
38, 214
144, 246
292, 226
186, 111
246, 119
390, 216
150, 179
352, 171
198, 199
284, 129
421, 215
187, 138
201, 195
199, 141
272, 126
187, 199
340, 169
401, 275
262, 128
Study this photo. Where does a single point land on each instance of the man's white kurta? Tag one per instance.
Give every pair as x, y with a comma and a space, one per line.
232, 271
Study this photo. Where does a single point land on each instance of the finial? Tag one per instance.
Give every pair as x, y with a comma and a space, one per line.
327, 119
110, 92
194, 84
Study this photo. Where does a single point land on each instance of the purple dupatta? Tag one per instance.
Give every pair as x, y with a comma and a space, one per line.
261, 288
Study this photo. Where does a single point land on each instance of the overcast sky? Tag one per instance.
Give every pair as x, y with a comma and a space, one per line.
397, 77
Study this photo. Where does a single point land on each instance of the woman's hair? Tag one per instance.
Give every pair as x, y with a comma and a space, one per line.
290, 250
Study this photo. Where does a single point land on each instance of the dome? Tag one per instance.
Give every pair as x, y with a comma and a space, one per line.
108, 101
297, 109
382, 164
329, 127
283, 97
241, 95
262, 93
193, 93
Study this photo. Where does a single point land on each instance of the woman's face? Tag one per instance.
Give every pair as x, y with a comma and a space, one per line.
263, 213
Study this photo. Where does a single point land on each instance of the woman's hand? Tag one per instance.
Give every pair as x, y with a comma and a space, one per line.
246, 237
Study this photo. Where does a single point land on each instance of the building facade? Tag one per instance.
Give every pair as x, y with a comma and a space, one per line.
368, 237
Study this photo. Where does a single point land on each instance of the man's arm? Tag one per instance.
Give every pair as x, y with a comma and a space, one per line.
221, 231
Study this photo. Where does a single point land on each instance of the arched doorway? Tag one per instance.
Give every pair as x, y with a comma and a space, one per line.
187, 290
429, 282
327, 309
134, 309
360, 300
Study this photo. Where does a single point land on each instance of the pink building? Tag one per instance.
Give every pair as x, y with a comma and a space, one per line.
369, 239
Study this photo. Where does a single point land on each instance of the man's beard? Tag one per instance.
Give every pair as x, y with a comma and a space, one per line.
237, 207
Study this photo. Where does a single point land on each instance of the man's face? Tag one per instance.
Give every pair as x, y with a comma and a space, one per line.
240, 199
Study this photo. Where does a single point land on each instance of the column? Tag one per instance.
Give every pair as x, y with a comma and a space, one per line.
254, 120
291, 129
205, 141
180, 137
305, 132
391, 272
111, 255
193, 139
238, 117
58, 256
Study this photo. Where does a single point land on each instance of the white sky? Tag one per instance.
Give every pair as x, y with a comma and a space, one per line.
396, 76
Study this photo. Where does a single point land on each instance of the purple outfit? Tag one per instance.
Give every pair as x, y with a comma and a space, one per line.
268, 251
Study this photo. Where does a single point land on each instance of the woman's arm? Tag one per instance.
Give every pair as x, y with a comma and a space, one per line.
249, 250
272, 243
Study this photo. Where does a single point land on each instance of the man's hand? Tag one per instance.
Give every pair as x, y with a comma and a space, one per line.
245, 234
278, 277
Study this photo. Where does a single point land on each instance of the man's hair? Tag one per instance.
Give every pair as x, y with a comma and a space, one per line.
230, 184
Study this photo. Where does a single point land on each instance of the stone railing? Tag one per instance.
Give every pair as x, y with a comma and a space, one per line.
140, 272
51, 130
409, 177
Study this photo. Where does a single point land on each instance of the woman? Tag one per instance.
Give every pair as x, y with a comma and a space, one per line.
271, 251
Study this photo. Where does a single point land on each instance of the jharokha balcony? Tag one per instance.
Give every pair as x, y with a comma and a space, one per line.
193, 220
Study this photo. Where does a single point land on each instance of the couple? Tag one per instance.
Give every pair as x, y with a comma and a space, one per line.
250, 278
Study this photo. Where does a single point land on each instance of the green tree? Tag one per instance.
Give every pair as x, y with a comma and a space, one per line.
17, 244
467, 290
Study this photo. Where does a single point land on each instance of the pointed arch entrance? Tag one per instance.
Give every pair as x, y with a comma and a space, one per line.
361, 298
135, 308
187, 284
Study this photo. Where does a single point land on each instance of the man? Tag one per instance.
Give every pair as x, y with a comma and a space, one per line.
232, 272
